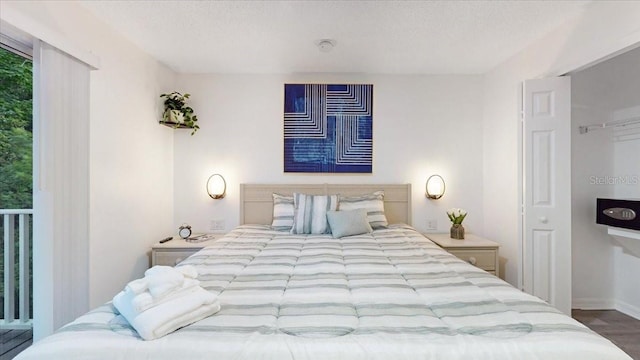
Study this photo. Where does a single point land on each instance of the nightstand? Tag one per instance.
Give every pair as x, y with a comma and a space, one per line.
174, 251
475, 250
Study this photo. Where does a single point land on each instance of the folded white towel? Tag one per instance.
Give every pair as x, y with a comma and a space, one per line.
144, 300
189, 271
162, 280
169, 316
159, 269
137, 286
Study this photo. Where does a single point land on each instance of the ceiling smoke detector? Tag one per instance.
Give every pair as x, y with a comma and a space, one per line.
325, 45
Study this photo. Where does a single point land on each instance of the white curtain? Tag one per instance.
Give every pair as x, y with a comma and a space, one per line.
61, 188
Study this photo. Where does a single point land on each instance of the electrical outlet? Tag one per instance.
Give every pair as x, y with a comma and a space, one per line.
432, 224
217, 225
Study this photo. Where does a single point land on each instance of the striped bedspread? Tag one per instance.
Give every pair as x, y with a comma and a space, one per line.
392, 294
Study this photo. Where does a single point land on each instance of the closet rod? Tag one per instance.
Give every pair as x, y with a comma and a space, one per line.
630, 121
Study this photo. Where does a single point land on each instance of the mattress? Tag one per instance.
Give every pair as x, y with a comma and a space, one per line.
392, 294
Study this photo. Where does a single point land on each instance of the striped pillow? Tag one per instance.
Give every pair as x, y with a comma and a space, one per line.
373, 203
282, 212
310, 213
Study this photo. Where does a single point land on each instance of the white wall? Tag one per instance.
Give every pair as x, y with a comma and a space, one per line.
421, 125
591, 160
624, 102
627, 168
131, 156
604, 168
131, 164
604, 28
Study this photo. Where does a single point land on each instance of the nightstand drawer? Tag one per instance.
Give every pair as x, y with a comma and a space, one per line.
476, 250
484, 259
170, 258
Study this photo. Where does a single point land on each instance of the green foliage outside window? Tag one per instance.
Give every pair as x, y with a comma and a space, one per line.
16, 104
16, 141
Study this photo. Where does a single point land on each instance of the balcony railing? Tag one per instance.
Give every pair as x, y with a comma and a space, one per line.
16, 224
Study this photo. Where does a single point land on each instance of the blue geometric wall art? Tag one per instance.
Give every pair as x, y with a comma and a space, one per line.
328, 128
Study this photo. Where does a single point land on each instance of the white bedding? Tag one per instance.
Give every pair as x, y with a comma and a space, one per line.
392, 294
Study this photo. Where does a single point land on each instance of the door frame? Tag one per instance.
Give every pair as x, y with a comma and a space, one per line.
584, 62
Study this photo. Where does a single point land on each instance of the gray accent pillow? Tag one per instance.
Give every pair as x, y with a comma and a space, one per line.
348, 222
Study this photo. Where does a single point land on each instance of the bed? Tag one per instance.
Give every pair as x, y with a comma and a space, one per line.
389, 294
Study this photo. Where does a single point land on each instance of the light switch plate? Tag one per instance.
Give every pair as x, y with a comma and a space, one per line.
217, 225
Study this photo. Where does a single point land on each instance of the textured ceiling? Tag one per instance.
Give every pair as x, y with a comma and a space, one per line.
409, 37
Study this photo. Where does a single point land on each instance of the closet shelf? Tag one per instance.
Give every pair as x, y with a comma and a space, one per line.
611, 124
618, 232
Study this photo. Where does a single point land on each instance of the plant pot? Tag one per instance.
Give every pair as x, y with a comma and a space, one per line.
457, 231
175, 116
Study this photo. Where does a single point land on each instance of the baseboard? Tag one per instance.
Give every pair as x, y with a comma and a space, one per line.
606, 304
593, 304
628, 309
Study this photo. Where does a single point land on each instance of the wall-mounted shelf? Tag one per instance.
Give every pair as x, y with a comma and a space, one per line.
618, 232
174, 125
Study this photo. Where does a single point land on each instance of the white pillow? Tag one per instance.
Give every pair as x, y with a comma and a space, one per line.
373, 203
348, 222
282, 212
310, 213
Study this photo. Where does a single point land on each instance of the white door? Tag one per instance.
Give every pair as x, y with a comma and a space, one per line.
547, 190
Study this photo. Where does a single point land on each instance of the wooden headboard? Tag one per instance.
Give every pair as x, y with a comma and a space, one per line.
256, 200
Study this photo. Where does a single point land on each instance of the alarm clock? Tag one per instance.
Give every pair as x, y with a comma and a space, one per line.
184, 231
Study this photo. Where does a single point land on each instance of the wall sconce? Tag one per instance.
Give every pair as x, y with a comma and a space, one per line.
216, 186
435, 187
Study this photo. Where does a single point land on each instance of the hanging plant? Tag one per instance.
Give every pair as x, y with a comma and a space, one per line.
176, 112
